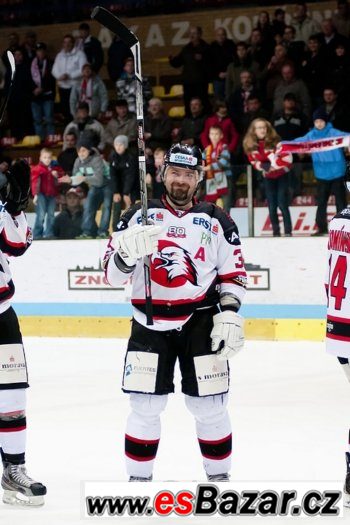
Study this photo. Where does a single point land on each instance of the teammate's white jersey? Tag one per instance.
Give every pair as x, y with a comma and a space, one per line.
15, 238
199, 258
338, 285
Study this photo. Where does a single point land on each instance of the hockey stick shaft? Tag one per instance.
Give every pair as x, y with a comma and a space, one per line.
11, 60
111, 22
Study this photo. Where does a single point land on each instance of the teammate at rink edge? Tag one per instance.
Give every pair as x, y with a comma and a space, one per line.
15, 238
198, 283
338, 305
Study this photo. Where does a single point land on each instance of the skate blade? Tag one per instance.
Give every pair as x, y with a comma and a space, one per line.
12, 497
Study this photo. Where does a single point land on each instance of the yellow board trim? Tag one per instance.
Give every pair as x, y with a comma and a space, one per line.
255, 329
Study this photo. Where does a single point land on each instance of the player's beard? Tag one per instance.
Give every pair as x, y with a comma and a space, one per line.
180, 195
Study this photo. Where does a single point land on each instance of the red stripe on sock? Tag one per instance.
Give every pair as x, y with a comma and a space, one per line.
138, 458
142, 441
18, 429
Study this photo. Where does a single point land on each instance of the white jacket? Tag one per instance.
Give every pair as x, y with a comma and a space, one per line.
71, 64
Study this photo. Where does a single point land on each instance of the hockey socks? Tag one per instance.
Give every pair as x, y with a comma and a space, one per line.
13, 425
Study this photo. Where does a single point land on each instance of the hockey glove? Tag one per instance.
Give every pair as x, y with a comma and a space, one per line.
136, 242
227, 334
18, 187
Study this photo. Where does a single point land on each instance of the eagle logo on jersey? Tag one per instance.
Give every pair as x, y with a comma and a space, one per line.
172, 266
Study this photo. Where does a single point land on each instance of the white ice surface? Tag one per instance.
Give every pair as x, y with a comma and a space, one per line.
289, 405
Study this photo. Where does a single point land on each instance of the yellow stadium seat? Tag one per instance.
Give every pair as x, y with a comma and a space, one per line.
176, 90
210, 89
177, 112
29, 141
158, 91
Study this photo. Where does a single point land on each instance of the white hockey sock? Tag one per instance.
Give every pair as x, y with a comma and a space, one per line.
143, 433
13, 424
213, 431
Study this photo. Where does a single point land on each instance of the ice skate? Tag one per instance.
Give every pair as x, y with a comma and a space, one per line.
219, 477
19, 488
139, 478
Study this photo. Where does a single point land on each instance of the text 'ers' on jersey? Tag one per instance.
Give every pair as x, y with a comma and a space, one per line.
198, 258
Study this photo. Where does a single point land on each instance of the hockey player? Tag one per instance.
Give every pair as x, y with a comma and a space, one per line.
15, 238
198, 283
338, 307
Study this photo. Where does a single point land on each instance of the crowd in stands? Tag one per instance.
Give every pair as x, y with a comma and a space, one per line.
275, 81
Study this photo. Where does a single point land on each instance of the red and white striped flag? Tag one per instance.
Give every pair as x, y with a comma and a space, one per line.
313, 146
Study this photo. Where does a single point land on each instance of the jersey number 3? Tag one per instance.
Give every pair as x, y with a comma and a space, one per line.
336, 286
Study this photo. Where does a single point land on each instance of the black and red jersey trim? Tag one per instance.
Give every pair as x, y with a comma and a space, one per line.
338, 328
6, 292
12, 248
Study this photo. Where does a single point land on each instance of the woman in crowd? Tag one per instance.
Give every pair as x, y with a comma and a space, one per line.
259, 145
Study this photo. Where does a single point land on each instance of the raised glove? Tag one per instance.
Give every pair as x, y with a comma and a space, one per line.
227, 334
18, 187
136, 242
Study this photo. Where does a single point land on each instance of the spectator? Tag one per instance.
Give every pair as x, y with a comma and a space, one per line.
155, 172
220, 118
82, 122
122, 123
13, 45
260, 146
238, 101
260, 50
254, 111
67, 224
158, 126
313, 70
337, 113
29, 46
67, 69
339, 72
124, 177
192, 126
265, 27
241, 62
341, 18
289, 124
295, 48
118, 52
44, 92
91, 47
291, 84
330, 39
278, 22
126, 86
217, 169
329, 169
194, 59
272, 73
89, 168
19, 104
67, 156
222, 50
44, 187
92, 90
303, 24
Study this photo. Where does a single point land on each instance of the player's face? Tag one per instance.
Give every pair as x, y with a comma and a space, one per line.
180, 184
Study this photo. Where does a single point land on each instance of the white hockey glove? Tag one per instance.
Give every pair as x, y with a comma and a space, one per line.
136, 242
227, 333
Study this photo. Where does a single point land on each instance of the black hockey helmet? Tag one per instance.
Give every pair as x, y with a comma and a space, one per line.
184, 156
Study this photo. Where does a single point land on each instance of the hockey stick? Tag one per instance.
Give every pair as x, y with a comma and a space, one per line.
11, 60
111, 22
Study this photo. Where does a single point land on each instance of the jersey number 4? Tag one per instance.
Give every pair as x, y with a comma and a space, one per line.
337, 280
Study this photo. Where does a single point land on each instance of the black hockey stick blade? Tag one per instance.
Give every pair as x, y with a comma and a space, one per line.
109, 20
11, 60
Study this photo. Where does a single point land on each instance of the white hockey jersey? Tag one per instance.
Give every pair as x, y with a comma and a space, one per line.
15, 238
199, 258
338, 286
